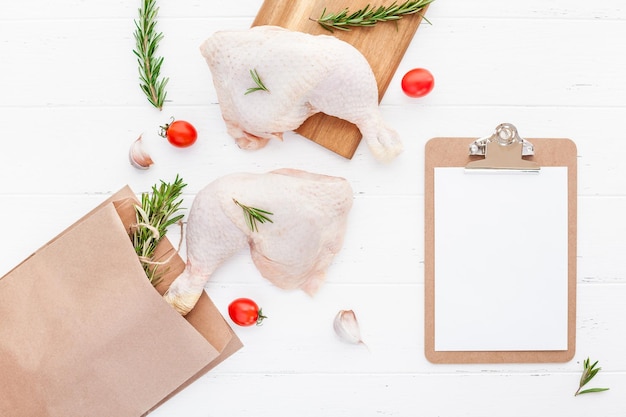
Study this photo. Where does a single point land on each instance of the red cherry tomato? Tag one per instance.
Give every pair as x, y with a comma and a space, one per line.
245, 312
418, 82
179, 133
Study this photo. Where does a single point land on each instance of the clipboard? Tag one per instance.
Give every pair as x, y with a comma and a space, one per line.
459, 328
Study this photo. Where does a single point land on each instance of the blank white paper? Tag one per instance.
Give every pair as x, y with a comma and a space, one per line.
501, 260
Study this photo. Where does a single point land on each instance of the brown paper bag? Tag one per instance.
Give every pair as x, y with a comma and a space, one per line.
84, 333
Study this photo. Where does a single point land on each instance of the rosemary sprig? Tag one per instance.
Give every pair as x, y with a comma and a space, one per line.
257, 80
370, 15
589, 371
147, 41
252, 215
158, 211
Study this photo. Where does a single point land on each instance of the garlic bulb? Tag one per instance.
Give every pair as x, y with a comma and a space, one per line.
138, 157
347, 327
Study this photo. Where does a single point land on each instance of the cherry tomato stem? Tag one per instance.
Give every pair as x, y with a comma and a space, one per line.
259, 320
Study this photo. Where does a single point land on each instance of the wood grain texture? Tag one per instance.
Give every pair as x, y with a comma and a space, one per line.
383, 46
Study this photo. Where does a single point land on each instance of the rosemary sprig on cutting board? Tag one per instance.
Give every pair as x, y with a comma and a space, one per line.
370, 15
147, 42
158, 211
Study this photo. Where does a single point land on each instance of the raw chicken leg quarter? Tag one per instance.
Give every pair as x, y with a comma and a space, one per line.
309, 219
304, 74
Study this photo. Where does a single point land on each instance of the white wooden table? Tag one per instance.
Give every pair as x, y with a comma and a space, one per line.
70, 106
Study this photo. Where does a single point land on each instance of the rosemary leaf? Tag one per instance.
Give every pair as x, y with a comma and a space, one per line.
158, 211
257, 80
369, 15
147, 42
589, 371
587, 391
252, 215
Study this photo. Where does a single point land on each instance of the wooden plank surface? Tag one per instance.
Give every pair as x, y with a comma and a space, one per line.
383, 46
562, 78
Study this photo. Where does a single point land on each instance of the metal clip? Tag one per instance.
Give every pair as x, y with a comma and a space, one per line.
505, 134
503, 150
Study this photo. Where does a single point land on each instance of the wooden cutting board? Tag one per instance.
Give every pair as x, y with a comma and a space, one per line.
383, 45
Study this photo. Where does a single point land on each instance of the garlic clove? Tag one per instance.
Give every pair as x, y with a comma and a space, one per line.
138, 157
347, 328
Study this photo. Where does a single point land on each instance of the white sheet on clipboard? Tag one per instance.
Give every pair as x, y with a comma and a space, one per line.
501, 260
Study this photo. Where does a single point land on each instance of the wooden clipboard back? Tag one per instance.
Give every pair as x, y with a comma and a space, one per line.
453, 152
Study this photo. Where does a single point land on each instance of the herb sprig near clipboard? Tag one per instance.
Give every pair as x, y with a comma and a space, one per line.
589, 371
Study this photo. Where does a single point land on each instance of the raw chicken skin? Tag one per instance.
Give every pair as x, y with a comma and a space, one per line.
309, 220
304, 74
